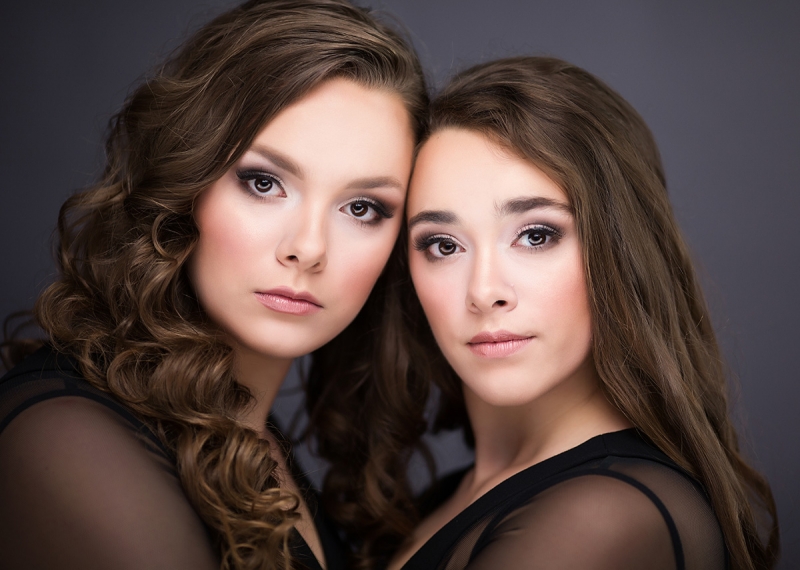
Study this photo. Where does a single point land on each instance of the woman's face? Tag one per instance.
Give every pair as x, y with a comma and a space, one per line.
295, 234
496, 262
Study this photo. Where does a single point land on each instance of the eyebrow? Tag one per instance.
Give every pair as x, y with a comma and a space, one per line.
433, 216
522, 205
376, 182
513, 206
286, 163
280, 160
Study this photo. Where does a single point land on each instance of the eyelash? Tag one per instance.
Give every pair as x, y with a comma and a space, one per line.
551, 234
248, 176
381, 210
424, 242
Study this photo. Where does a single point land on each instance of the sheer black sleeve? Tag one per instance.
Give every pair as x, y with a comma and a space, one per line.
632, 517
612, 503
81, 487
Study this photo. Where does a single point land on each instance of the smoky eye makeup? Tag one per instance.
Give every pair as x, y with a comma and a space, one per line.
436, 246
368, 211
383, 209
260, 183
538, 236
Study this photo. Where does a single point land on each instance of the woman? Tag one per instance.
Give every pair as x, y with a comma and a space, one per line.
218, 246
574, 344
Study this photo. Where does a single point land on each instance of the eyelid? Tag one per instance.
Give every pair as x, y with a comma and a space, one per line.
539, 226
253, 173
424, 239
554, 233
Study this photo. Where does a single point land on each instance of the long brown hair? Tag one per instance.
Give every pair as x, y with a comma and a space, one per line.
653, 344
367, 402
122, 304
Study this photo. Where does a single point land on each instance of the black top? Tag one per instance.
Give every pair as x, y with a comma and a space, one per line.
612, 503
86, 484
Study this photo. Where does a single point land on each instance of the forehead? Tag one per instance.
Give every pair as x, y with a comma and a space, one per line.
343, 125
459, 169
341, 99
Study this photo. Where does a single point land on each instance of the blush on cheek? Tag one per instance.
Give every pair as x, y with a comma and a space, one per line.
356, 274
438, 300
562, 287
360, 280
228, 234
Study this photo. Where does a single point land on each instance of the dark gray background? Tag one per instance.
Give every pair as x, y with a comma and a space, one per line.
718, 82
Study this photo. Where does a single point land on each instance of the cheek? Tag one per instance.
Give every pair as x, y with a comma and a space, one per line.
574, 296
439, 292
356, 260
233, 244
226, 241
564, 303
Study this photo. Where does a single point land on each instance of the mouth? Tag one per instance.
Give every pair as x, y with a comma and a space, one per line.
497, 344
287, 301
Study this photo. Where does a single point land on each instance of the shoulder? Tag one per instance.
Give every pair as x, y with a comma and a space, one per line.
82, 486
70, 425
50, 416
48, 376
597, 507
52, 419
44, 375
621, 512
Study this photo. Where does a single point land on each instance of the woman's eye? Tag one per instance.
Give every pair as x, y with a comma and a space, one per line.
366, 211
437, 246
537, 237
261, 184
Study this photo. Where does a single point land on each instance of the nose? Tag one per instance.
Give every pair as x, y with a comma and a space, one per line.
304, 244
488, 290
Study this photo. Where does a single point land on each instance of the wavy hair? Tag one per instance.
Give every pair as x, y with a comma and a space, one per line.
122, 304
653, 343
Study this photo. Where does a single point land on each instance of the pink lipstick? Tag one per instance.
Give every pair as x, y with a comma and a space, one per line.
284, 300
497, 344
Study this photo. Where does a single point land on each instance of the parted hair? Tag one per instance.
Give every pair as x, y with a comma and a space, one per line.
653, 344
124, 308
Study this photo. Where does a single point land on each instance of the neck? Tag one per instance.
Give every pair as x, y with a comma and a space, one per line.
510, 439
263, 375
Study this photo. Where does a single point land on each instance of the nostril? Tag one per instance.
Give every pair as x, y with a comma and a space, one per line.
500, 303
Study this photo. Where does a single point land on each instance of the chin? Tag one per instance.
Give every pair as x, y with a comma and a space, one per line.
505, 392
282, 347
286, 340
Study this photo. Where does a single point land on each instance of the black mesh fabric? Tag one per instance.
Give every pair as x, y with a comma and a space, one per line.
612, 503
85, 484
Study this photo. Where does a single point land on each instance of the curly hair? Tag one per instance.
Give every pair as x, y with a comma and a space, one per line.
123, 305
653, 344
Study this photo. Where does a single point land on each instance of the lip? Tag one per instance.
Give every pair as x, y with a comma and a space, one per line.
497, 344
285, 300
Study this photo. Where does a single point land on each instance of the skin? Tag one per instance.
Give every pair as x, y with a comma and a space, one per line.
313, 208
494, 247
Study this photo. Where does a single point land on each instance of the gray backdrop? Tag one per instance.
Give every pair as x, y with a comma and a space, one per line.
718, 82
